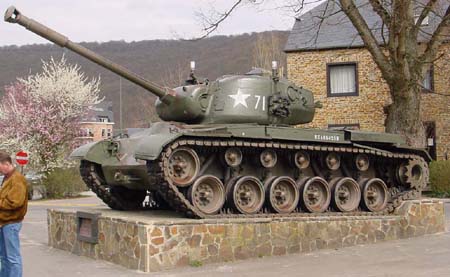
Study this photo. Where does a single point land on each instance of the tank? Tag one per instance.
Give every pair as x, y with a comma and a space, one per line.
233, 148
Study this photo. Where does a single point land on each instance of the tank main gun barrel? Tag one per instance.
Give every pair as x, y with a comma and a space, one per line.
12, 15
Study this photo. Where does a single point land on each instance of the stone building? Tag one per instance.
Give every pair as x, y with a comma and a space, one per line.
330, 59
98, 124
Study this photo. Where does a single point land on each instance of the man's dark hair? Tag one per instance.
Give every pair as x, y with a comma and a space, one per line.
5, 157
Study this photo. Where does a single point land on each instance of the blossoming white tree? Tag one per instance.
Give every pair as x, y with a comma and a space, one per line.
41, 114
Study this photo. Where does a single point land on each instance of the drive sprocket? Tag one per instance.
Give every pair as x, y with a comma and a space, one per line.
416, 174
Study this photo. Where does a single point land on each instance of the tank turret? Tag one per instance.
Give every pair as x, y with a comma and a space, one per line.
250, 98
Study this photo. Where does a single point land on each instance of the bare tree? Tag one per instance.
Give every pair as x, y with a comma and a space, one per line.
268, 47
403, 56
174, 76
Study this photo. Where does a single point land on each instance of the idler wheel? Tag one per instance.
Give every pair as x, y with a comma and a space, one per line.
233, 157
302, 160
346, 194
282, 194
268, 158
333, 161
315, 195
246, 195
184, 166
207, 194
374, 195
362, 162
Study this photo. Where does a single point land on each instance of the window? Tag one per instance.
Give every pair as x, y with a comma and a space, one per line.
342, 79
86, 132
109, 133
103, 119
428, 81
430, 134
354, 126
424, 21
103, 133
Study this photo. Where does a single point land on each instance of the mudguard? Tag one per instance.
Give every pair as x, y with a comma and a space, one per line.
150, 147
82, 151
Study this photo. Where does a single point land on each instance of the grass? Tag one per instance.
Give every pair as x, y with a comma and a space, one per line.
195, 263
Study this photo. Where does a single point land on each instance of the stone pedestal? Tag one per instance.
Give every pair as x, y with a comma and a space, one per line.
154, 240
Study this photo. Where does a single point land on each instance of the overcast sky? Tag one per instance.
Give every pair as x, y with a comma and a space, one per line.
134, 20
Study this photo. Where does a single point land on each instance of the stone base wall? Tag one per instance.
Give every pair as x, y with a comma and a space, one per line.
153, 245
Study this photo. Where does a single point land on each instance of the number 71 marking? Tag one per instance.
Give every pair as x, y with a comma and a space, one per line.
258, 100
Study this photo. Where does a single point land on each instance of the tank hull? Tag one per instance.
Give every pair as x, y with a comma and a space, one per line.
285, 170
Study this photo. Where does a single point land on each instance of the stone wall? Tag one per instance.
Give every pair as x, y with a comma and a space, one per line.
308, 69
152, 244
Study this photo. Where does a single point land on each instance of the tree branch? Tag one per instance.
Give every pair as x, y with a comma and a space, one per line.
381, 11
426, 10
402, 11
213, 25
384, 15
367, 36
322, 18
436, 39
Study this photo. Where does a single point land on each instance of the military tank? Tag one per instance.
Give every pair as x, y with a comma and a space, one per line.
230, 148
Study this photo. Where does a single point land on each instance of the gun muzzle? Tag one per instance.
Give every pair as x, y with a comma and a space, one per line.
12, 14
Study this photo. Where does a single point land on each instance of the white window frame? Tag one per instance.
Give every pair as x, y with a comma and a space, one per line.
428, 75
103, 119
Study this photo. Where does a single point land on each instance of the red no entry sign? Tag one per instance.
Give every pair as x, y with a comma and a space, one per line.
22, 157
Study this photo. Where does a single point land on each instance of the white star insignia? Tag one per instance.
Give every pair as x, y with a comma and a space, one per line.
240, 99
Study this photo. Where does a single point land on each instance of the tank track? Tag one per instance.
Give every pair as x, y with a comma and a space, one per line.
158, 171
95, 182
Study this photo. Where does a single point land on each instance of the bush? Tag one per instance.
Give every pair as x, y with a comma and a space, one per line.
440, 178
63, 182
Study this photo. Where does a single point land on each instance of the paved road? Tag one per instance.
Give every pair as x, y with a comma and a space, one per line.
426, 256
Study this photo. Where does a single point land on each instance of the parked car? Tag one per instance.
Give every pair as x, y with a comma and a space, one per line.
33, 180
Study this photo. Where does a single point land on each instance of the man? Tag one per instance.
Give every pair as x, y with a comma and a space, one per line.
13, 207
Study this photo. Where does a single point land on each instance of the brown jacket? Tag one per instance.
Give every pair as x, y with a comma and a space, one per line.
13, 199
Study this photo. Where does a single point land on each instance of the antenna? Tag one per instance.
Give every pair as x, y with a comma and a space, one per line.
120, 106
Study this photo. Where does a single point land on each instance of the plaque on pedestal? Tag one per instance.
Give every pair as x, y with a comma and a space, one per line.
87, 227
